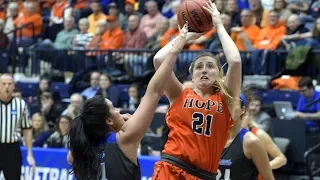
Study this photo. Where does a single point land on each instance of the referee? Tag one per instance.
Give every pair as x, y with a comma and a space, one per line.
14, 116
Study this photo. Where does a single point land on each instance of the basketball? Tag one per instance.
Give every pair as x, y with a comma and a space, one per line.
199, 20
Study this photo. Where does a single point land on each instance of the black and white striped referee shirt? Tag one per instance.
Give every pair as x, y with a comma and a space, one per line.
14, 116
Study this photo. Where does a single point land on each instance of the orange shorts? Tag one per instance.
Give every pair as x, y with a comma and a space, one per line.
260, 177
167, 171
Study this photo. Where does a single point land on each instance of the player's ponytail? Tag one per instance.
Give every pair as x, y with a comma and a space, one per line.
86, 133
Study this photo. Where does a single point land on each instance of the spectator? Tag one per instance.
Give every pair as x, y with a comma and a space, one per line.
4, 41
267, 4
80, 9
30, 17
22, 6
199, 44
169, 8
113, 38
129, 10
245, 36
39, 125
150, 22
280, 7
114, 11
73, 110
260, 15
44, 86
315, 9
214, 42
56, 18
64, 37
308, 108
96, 40
60, 139
109, 90
316, 31
135, 37
270, 36
45, 6
308, 95
262, 119
171, 33
82, 40
174, 8
3, 10
233, 12
50, 108
298, 6
17, 93
295, 31
12, 16
153, 43
220, 4
95, 17
94, 85
81, 5
134, 97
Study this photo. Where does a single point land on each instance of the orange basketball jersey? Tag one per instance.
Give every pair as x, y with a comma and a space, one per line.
198, 129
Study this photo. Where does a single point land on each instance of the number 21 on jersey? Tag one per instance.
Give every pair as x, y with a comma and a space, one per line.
201, 124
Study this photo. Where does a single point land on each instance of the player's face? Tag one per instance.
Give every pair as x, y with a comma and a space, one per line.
205, 72
116, 121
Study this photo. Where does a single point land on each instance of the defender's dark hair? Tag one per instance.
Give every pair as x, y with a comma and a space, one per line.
86, 134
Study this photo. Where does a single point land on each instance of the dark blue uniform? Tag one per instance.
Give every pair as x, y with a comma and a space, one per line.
115, 164
234, 165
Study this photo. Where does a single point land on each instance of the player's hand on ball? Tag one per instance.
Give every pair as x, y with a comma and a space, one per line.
215, 14
184, 30
191, 36
181, 40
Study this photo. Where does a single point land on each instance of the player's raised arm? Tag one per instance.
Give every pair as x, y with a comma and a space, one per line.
233, 78
173, 87
134, 129
234, 73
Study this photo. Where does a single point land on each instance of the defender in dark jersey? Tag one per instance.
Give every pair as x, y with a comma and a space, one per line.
244, 155
100, 136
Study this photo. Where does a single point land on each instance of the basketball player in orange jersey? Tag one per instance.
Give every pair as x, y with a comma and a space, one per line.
244, 155
199, 120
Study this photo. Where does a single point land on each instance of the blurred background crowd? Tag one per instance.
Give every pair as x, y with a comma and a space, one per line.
63, 52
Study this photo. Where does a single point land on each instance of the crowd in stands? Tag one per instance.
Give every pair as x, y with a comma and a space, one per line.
51, 116
258, 27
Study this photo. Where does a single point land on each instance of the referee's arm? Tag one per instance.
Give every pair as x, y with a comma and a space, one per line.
26, 125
